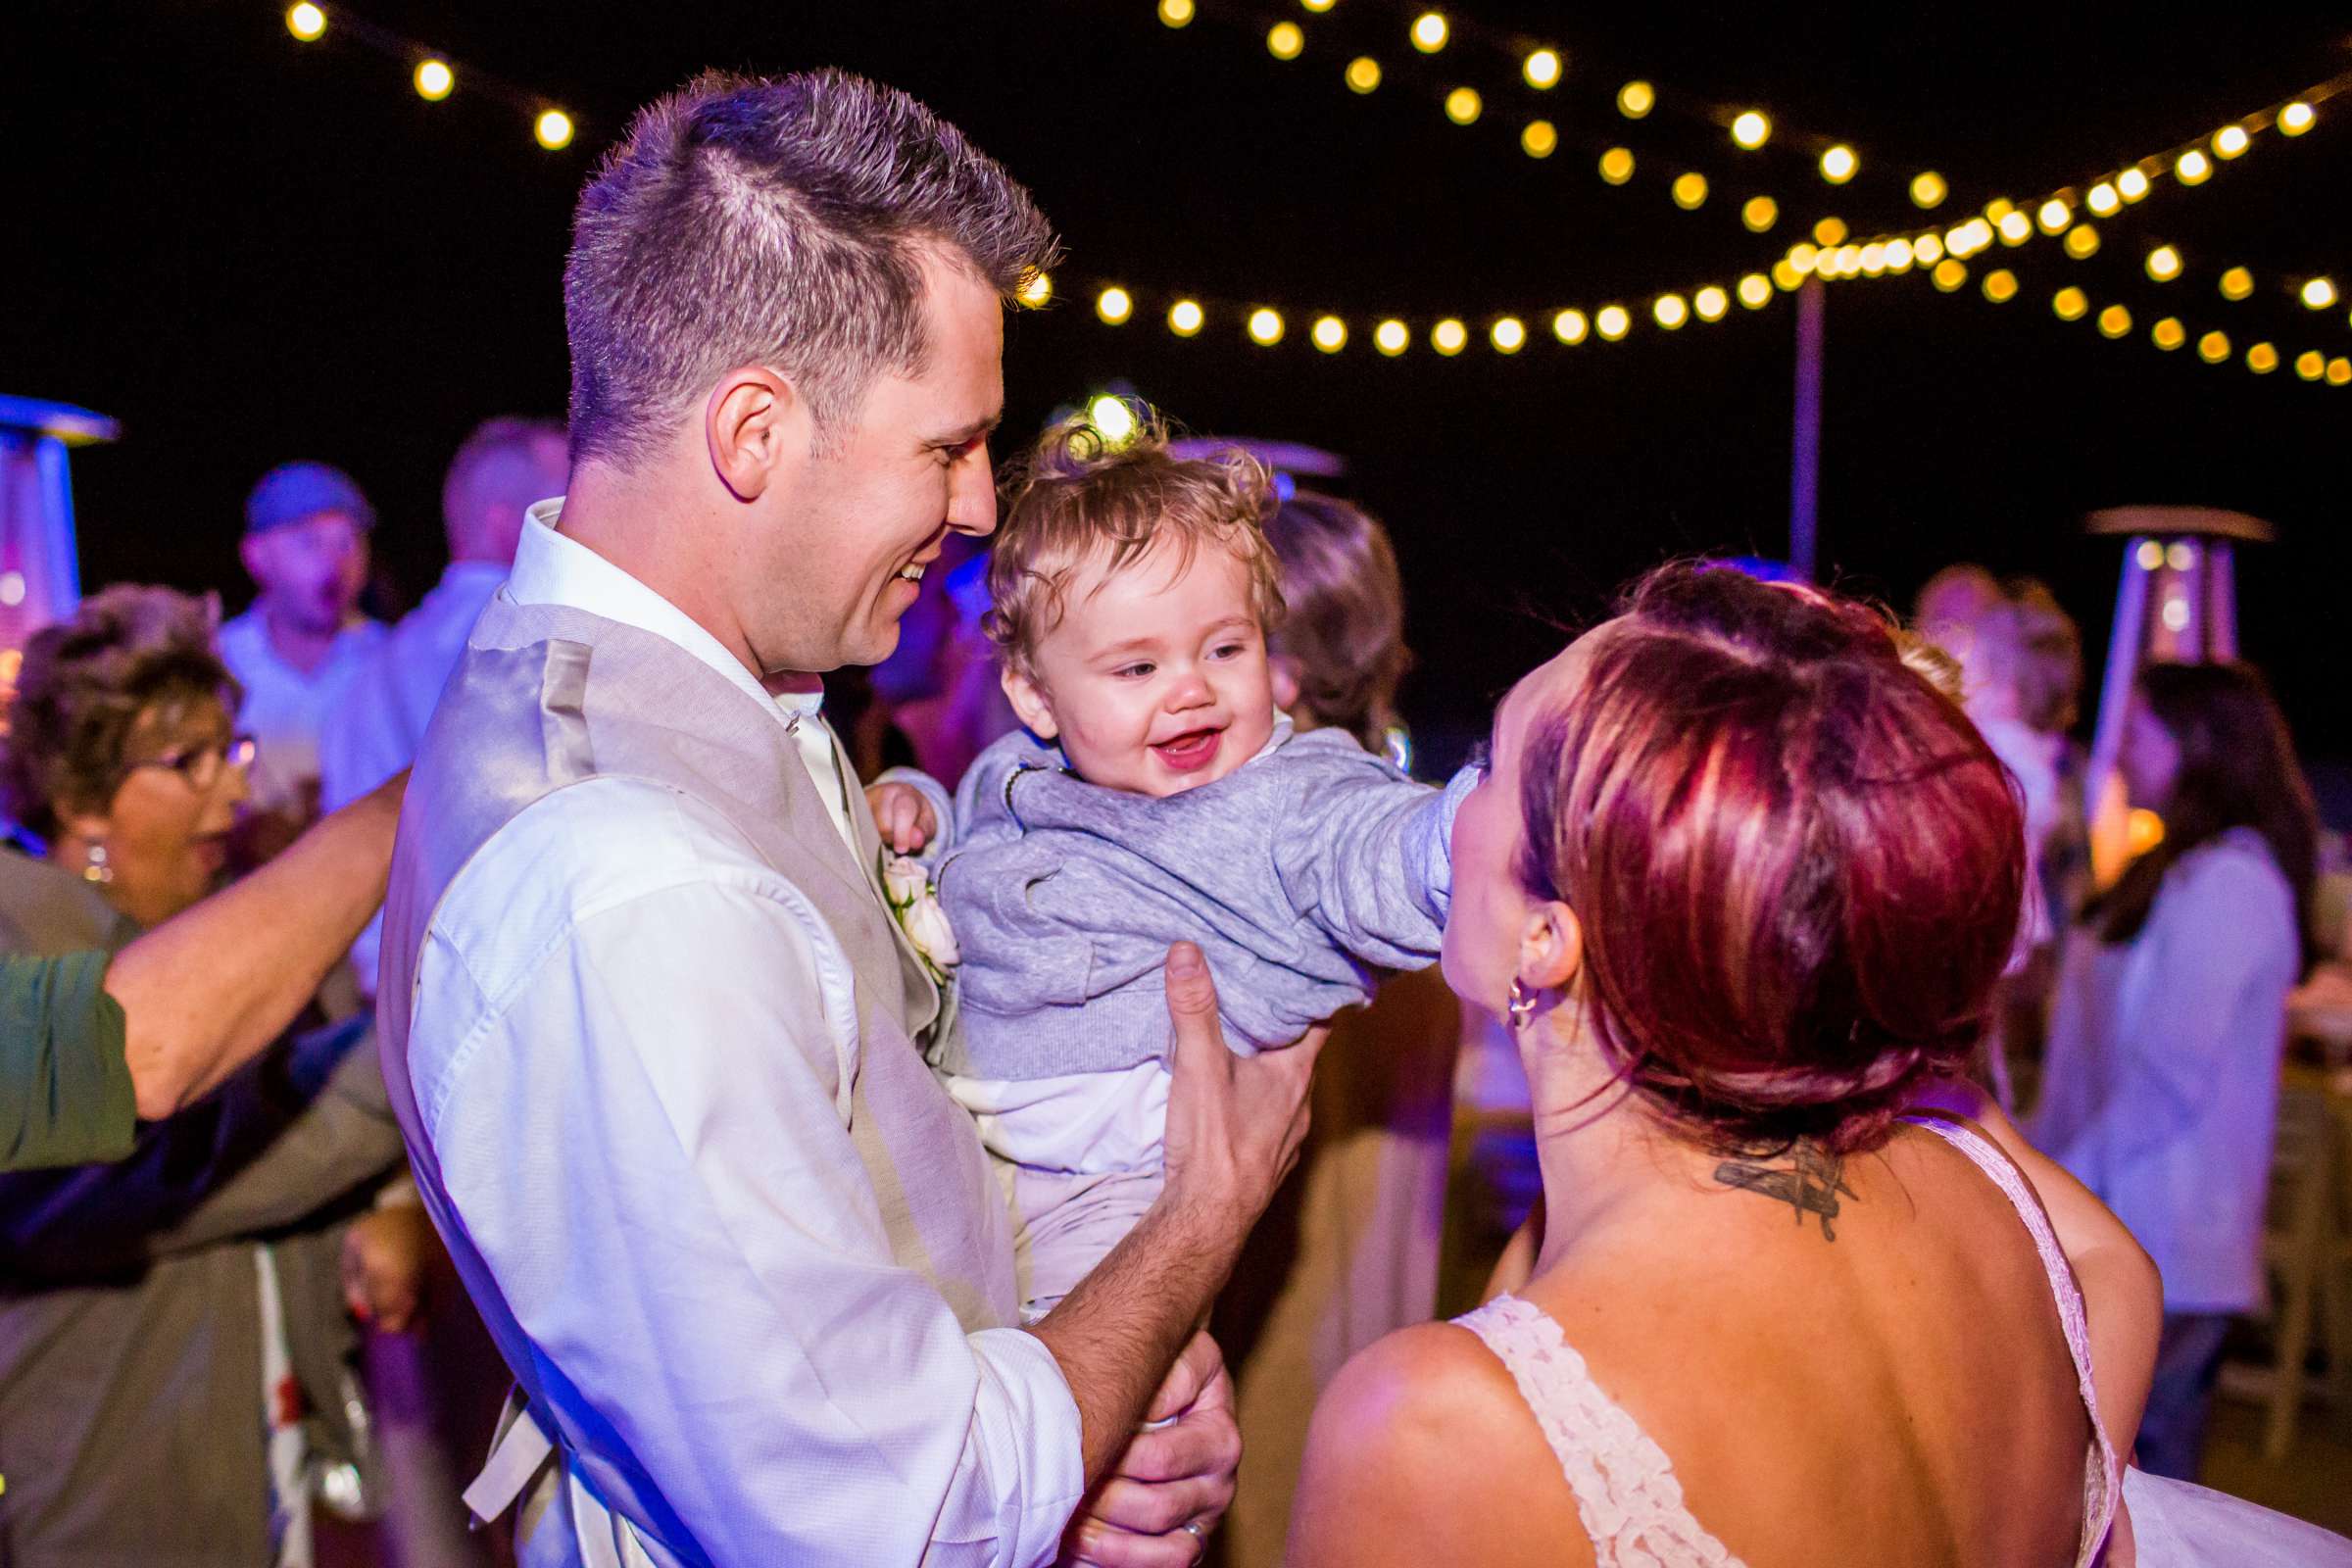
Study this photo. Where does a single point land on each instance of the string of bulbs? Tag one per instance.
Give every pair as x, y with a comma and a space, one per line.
432, 74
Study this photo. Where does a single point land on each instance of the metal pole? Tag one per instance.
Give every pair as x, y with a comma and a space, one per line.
1804, 468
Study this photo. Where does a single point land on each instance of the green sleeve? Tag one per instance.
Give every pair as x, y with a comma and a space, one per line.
64, 1088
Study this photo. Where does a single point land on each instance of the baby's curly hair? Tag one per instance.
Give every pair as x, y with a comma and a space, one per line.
1077, 497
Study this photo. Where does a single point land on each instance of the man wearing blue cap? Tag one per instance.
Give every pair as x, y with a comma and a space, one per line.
298, 648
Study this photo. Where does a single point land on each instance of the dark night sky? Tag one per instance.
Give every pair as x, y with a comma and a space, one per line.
249, 249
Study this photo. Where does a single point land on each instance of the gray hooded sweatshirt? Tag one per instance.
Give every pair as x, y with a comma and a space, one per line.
1302, 874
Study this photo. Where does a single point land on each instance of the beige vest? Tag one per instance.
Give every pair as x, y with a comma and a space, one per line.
547, 697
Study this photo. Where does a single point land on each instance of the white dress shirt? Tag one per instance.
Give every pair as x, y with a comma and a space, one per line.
636, 1078
286, 708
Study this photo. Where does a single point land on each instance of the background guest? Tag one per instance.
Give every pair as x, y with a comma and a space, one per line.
371, 732
1348, 1250
2161, 1083
89, 1047
172, 1385
299, 647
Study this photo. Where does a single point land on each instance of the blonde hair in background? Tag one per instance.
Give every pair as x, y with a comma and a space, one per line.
1342, 633
1077, 499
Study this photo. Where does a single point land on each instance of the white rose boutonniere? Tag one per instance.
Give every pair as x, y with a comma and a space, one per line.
914, 905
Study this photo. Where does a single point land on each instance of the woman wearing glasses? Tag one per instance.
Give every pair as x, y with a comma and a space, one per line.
144, 1322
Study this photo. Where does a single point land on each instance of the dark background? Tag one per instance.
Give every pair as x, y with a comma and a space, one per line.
249, 249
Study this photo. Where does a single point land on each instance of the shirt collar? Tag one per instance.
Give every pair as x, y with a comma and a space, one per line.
553, 570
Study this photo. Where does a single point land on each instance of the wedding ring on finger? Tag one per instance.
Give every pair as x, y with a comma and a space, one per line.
1195, 1528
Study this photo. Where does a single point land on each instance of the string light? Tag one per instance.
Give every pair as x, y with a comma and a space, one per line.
1176, 13
2214, 347
1186, 318
2318, 293
1830, 232
1318, 6
1364, 74
2132, 185
2071, 304
1112, 418
2295, 119
1612, 322
2193, 168
1114, 305
1617, 166
1949, 275
1671, 311
1691, 191
1786, 277
1509, 335
2237, 283
1635, 99
2114, 321
554, 129
1840, 164
2164, 264
1542, 70
1570, 327
1711, 303
1430, 33
2103, 200
1927, 249
2311, 364
1284, 40
2054, 216
1759, 214
2261, 359
1463, 106
434, 79
1750, 129
2232, 142
2015, 228
1266, 327
2340, 371
2000, 286
1329, 333
1929, 189
1755, 292
1392, 338
2169, 334
1803, 257
1540, 139
1448, 337
2082, 242
306, 21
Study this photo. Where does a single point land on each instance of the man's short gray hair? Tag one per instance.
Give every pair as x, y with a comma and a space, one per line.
778, 221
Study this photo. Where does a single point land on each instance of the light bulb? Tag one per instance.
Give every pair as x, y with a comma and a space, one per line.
1463, 106
1285, 39
1186, 318
2169, 333
1635, 99
434, 79
1612, 322
1538, 139
1364, 74
306, 21
1838, 163
1617, 166
553, 129
2237, 283
1329, 333
1710, 303
2164, 264
1570, 327
1671, 311
2232, 142
1448, 337
2082, 242
1266, 327
1509, 335
1830, 232
1750, 129
2000, 286
2214, 347
2132, 185
1542, 69
2071, 304
1430, 33
1929, 189
1175, 12
2319, 293
1691, 191
1759, 214
1755, 292
1949, 275
2193, 168
2296, 117
2103, 200
1391, 337
2261, 359
1114, 305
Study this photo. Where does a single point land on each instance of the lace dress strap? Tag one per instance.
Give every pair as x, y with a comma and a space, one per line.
1626, 1491
2102, 1470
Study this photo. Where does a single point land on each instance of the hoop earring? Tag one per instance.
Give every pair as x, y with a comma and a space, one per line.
1522, 1006
94, 866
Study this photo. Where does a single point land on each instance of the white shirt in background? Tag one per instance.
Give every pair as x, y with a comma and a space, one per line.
618, 1083
285, 710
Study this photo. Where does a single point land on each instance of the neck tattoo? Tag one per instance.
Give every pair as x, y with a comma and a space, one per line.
1809, 1182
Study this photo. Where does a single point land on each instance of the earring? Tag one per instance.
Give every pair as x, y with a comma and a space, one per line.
1522, 1003
94, 868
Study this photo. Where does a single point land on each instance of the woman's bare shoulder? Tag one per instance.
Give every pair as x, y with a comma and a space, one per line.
1421, 1451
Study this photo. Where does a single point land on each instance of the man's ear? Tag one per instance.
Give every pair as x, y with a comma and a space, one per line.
1285, 673
757, 425
1028, 701
1551, 947
253, 551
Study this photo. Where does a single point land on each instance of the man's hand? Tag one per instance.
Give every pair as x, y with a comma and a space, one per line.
904, 817
385, 1253
1235, 1123
1176, 1472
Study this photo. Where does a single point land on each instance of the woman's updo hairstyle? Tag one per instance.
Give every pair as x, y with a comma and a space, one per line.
1798, 866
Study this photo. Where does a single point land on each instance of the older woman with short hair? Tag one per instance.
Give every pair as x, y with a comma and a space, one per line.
134, 1295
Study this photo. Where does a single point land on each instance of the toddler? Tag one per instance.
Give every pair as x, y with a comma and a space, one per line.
1156, 796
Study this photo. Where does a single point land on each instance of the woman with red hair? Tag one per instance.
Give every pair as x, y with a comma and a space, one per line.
1743, 883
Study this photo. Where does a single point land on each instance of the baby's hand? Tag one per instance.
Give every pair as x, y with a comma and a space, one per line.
905, 819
